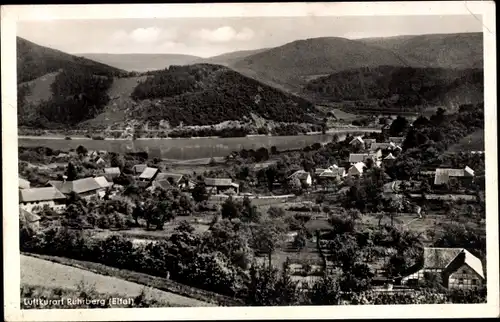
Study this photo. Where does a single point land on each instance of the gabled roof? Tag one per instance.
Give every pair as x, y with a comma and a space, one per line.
221, 182
449, 259
330, 173
360, 166
357, 139
358, 157
103, 182
24, 184
114, 170
442, 175
176, 177
148, 173
390, 157
40, 194
27, 216
375, 146
78, 186
370, 141
397, 139
300, 174
139, 168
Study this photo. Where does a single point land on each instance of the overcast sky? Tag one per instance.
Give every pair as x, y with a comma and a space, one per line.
207, 37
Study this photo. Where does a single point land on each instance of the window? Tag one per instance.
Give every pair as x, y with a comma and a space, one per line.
474, 282
460, 281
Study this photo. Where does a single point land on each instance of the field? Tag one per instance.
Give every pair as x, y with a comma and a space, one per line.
40, 88
39, 272
472, 142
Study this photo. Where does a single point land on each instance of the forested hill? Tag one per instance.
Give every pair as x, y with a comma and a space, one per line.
204, 94
460, 50
34, 61
401, 86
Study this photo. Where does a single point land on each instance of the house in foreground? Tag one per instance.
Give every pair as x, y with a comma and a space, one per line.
147, 176
85, 188
220, 185
456, 267
443, 175
31, 220
111, 173
139, 168
34, 199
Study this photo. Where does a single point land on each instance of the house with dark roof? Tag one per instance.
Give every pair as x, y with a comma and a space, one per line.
357, 142
85, 188
34, 199
442, 176
457, 268
220, 185
24, 184
363, 157
175, 179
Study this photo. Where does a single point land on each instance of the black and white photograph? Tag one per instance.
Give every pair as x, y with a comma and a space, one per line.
305, 159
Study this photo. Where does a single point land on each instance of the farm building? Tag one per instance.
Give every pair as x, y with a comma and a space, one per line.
24, 184
218, 185
362, 157
34, 199
303, 176
29, 219
442, 175
85, 188
357, 169
331, 174
175, 179
369, 142
457, 268
111, 173
383, 146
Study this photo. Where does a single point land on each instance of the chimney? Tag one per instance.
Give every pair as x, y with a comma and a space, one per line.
64, 178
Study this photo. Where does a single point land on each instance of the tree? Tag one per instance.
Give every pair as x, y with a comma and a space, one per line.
344, 251
137, 213
398, 126
230, 209
266, 287
71, 172
326, 291
250, 212
199, 192
276, 212
266, 238
81, 150
271, 173
117, 160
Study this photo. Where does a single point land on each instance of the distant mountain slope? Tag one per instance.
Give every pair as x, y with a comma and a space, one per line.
228, 59
204, 94
404, 87
292, 64
34, 61
462, 50
142, 62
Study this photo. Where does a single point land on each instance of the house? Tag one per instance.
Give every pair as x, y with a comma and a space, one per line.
389, 159
111, 173
332, 173
34, 199
24, 184
457, 267
442, 175
218, 185
357, 169
303, 176
383, 146
148, 174
362, 157
85, 188
176, 179
369, 142
31, 220
386, 129
139, 168
99, 161
357, 142
397, 139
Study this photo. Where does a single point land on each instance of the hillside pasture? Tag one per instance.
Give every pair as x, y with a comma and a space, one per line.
472, 142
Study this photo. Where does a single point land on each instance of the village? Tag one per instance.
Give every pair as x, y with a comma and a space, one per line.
302, 210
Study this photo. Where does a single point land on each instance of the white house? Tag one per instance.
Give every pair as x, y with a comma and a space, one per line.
457, 267
34, 199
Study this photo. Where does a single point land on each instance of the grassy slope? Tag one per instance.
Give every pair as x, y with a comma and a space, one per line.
228, 59
290, 64
40, 88
472, 142
36, 271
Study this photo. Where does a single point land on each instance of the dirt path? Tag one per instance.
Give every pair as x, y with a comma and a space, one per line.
39, 272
